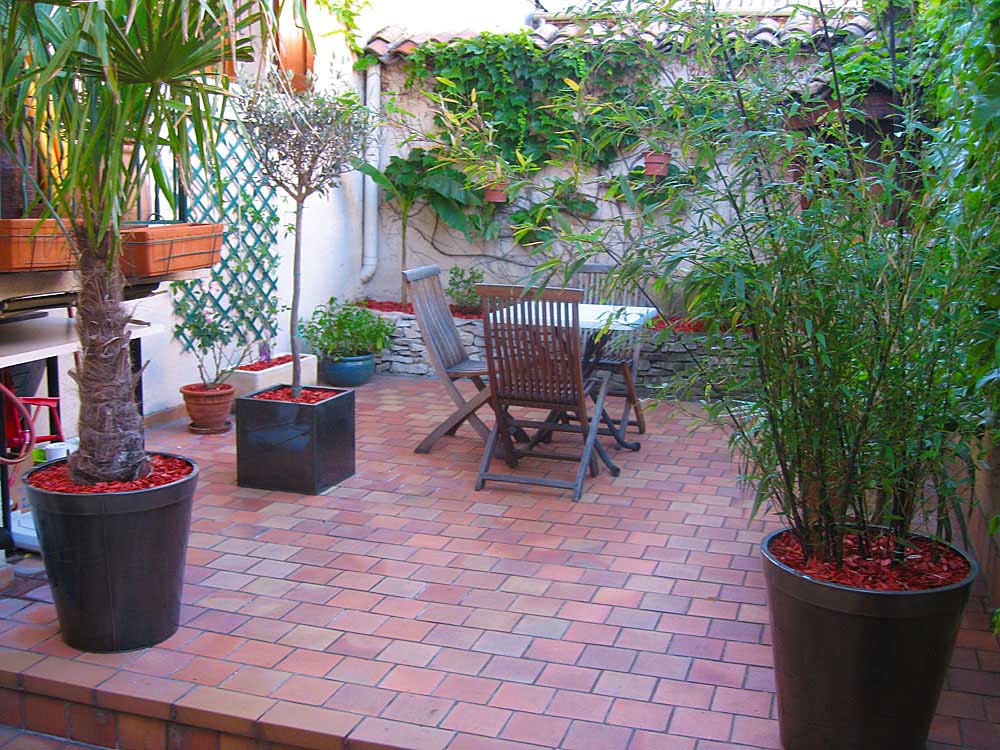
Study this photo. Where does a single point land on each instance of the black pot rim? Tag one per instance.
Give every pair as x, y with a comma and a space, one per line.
342, 390
194, 473
971, 576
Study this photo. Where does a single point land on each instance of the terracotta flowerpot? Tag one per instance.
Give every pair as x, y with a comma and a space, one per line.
657, 164
165, 248
26, 245
208, 408
496, 192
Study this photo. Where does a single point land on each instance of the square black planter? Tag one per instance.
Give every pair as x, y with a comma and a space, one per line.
304, 448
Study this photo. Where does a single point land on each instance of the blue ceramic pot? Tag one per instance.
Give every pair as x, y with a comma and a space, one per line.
347, 372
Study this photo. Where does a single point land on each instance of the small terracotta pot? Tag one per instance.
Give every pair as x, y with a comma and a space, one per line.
208, 408
657, 164
496, 192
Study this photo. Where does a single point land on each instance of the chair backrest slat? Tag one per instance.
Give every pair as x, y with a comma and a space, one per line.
532, 341
441, 337
596, 281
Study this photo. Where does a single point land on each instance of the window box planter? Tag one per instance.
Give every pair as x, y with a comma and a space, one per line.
156, 249
251, 381
24, 249
295, 447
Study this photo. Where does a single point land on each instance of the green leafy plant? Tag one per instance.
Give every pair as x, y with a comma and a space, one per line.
303, 143
462, 287
346, 330
109, 79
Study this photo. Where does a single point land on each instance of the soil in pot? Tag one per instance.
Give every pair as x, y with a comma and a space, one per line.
260, 366
114, 552
862, 669
208, 407
306, 395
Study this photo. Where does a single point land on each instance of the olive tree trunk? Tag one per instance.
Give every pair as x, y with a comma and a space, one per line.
111, 429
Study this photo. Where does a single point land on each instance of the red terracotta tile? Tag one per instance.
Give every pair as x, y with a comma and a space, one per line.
222, 710
412, 680
310, 690
522, 697
382, 734
477, 719
297, 725
543, 730
46, 715
705, 724
585, 735
92, 725
141, 733
417, 709
361, 699
191, 738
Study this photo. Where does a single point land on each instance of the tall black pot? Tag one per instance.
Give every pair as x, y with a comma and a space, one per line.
856, 669
115, 560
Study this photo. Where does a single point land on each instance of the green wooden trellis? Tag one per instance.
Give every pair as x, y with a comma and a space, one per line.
248, 209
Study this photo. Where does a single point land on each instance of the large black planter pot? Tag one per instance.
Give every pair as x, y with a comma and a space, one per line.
115, 560
303, 448
855, 669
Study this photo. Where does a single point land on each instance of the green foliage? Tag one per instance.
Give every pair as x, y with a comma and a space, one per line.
462, 286
827, 264
346, 330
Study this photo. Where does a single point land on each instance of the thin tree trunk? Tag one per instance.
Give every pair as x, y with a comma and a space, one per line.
111, 431
296, 292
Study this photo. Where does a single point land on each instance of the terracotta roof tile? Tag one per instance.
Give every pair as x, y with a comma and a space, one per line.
393, 43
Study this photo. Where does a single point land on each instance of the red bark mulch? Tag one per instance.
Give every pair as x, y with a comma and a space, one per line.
306, 395
928, 564
166, 469
407, 308
258, 366
678, 324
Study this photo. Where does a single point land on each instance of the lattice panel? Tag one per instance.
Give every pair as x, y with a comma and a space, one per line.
247, 207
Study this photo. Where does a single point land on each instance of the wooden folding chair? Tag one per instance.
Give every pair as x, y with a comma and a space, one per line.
447, 354
621, 354
533, 353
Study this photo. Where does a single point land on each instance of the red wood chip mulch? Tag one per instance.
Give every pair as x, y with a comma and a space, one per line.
166, 469
400, 307
928, 564
258, 366
306, 395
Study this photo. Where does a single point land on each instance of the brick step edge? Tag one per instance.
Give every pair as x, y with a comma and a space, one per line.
110, 708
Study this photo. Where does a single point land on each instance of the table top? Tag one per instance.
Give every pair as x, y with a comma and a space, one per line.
593, 317
39, 338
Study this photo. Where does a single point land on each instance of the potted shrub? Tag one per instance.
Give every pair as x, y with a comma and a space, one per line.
290, 438
346, 337
847, 321
462, 289
112, 519
215, 325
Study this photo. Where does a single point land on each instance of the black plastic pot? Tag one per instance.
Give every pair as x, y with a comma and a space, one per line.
303, 448
115, 560
856, 669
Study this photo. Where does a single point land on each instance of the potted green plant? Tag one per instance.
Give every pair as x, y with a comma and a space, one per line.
288, 437
347, 337
846, 320
462, 289
113, 519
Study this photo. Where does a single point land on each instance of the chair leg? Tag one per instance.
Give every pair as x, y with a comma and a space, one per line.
632, 400
591, 443
465, 413
484, 465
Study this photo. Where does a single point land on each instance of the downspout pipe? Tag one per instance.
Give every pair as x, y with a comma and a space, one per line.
369, 199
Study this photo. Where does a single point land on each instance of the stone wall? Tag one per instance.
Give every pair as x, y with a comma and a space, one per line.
658, 363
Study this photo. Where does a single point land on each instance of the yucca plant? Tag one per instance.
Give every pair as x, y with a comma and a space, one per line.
91, 82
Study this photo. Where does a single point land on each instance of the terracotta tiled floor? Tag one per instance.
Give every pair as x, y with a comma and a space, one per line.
429, 616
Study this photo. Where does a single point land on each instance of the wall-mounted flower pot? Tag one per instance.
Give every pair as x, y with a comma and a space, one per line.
156, 249
208, 408
348, 372
249, 381
295, 447
657, 164
857, 669
24, 249
115, 560
496, 192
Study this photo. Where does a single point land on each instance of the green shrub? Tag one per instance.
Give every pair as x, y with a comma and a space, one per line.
346, 330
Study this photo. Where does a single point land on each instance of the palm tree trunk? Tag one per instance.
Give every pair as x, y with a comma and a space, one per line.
111, 429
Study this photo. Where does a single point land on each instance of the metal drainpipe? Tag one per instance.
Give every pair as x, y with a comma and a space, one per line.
369, 220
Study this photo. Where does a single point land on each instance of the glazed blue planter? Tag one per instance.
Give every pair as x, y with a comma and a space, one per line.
347, 372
